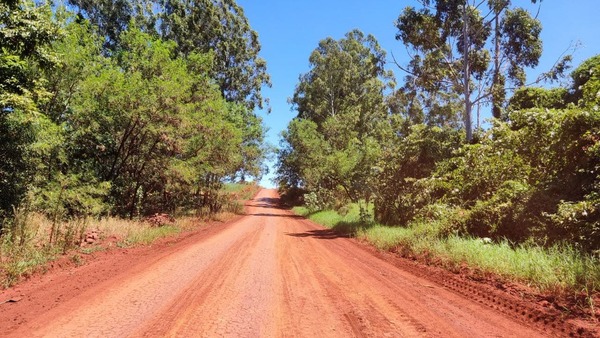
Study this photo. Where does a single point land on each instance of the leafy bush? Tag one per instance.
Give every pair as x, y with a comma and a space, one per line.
580, 223
399, 191
527, 98
523, 178
501, 214
314, 202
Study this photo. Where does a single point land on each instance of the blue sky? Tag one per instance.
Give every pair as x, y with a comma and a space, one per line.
289, 30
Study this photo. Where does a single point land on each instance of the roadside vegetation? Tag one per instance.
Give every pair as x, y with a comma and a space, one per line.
38, 240
111, 122
408, 167
559, 269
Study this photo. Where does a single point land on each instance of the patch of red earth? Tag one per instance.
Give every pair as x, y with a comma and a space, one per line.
563, 315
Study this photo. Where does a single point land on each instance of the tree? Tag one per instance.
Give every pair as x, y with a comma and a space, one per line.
200, 26
462, 48
220, 27
333, 142
26, 31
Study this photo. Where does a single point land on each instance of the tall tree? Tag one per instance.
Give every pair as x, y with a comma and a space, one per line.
468, 48
333, 141
26, 31
197, 26
221, 27
112, 17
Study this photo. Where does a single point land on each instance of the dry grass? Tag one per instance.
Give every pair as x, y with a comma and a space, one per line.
32, 240
29, 249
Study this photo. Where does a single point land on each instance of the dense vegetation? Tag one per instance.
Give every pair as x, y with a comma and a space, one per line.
104, 111
531, 178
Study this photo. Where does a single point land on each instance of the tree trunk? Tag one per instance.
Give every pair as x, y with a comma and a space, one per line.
496, 109
467, 74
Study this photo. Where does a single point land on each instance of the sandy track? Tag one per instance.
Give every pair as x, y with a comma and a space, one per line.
269, 274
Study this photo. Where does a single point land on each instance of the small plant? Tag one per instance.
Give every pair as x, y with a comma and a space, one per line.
314, 201
72, 234
77, 260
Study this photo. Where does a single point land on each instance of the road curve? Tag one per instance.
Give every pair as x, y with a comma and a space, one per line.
270, 274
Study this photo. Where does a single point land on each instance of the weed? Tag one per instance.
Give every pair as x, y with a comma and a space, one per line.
90, 250
77, 260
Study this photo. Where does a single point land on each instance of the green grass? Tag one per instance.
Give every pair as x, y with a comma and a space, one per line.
557, 269
23, 262
148, 235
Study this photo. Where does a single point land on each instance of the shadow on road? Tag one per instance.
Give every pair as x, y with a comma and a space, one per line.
276, 215
269, 202
320, 234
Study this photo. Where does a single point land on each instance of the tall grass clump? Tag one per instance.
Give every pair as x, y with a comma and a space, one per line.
149, 235
23, 246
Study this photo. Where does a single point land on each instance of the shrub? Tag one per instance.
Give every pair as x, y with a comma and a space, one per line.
314, 202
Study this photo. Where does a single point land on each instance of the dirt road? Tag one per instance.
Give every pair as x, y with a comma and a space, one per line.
269, 274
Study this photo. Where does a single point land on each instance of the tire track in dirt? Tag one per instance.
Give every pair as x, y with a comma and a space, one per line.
392, 303
235, 298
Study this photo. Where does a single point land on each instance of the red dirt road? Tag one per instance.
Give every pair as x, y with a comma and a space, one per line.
268, 274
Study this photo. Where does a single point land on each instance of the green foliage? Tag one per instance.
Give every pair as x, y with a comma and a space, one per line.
149, 124
532, 179
26, 31
531, 97
586, 83
464, 49
219, 27
525, 178
331, 147
408, 158
139, 130
315, 202
584, 91
500, 215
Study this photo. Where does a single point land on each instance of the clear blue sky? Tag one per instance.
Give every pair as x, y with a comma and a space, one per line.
289, 30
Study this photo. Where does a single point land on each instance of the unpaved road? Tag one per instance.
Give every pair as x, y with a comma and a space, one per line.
268, 274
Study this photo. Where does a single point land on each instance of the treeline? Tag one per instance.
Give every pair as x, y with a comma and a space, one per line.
126, 108
532, 177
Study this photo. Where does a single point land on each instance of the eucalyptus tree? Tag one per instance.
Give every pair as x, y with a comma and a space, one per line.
334, 141
112, 17
465, 51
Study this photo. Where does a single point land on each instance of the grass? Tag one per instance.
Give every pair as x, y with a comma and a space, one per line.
241, 191
148, 236
28, 246
559, 269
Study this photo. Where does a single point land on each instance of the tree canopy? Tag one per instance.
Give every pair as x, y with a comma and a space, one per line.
219, 27
333, 141
129, 128
465, 52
